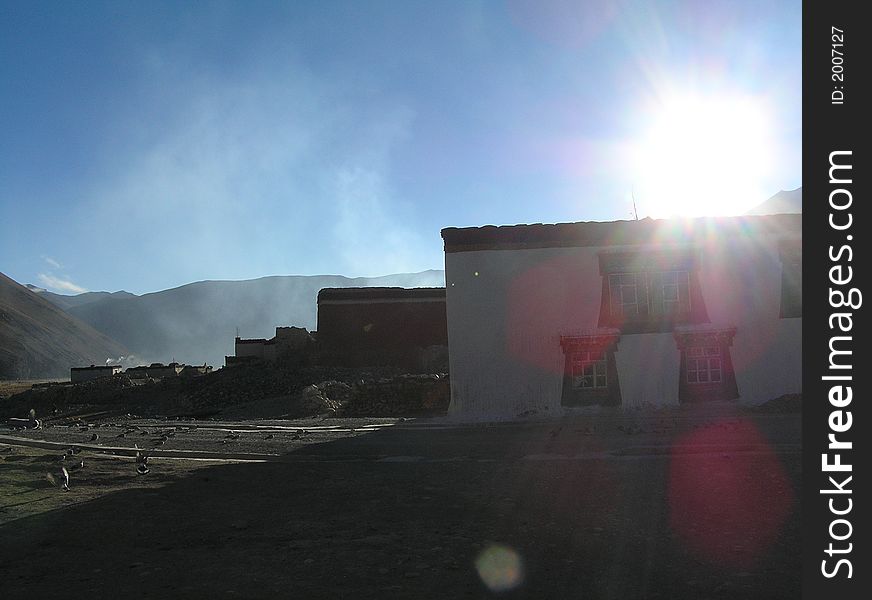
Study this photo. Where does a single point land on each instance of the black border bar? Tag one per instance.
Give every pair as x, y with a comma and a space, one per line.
835, 107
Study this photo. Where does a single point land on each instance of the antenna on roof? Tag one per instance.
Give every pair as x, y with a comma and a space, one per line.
635, 212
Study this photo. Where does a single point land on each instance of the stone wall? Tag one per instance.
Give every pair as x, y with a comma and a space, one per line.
402, 396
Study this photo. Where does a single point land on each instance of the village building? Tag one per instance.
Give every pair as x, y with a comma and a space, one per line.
290, 344
366, 327
155, 371
195, 370
543, 319
78, 374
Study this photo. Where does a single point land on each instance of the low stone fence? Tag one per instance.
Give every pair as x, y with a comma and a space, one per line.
402, 396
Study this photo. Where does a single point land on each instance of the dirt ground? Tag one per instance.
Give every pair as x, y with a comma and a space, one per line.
681, 504
10, 387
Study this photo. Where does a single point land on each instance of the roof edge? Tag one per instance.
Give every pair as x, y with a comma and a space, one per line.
617, 233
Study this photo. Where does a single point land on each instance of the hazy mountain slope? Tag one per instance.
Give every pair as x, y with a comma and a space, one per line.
196, 323
67, 302
782, 202
38, 339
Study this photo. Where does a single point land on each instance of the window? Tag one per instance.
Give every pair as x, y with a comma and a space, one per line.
656, 293
626, 289
674, 292
650, 291
706, 370
704, 364
590, 375
588, 370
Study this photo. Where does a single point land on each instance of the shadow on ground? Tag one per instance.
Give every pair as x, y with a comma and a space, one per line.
415, 514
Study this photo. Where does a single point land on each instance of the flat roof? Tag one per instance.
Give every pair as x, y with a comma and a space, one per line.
618, 233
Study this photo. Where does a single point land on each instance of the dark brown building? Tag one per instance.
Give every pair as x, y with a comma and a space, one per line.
361, 327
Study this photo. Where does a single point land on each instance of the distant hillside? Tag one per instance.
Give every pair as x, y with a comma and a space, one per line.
38, 339
782, 202
196, 323
66, 302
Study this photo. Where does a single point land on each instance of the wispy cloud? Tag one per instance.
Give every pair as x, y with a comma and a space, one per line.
58, 284
371, 231
52, 262
262, 167
371, 239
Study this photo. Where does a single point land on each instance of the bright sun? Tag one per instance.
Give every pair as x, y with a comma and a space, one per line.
702, 156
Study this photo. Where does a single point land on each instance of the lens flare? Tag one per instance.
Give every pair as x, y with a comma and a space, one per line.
729, 495
500, 568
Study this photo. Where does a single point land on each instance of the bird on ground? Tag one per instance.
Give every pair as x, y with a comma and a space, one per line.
60, 479
95, 437
141, 461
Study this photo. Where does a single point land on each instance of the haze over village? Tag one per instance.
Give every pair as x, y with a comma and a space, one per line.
401, 299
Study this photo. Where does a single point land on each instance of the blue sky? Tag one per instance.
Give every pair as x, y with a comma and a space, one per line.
146, 145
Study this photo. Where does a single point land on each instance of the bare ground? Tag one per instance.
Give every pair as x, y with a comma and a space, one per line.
591, 507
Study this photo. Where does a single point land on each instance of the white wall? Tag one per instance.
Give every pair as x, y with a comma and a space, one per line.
508, 308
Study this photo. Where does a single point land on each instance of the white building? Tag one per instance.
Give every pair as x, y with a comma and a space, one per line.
545, 318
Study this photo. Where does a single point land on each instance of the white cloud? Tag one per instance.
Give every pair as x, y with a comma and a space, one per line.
371, 232
57, 284
219, 179
369, 238
52, 262
250, 174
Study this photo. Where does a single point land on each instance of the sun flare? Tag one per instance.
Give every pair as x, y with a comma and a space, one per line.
702, 156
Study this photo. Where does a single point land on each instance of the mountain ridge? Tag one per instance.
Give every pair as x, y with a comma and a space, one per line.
40, 339
197, 322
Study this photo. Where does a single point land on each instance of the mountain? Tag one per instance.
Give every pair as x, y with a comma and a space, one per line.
67, 302
197, 323
782, 202
38, 339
